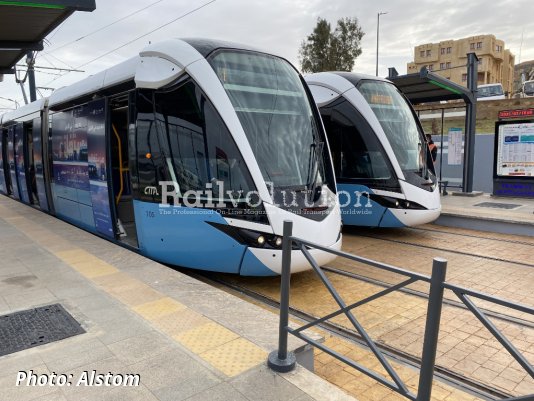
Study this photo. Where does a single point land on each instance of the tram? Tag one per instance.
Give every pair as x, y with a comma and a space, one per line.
384, 171
193, 153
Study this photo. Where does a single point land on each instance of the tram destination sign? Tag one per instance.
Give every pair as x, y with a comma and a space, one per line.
518, 113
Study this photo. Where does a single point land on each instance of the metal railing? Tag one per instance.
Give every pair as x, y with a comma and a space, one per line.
283, 361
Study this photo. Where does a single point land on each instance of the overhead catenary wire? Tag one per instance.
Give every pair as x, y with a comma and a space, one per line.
103, 27
148, 33
137, 38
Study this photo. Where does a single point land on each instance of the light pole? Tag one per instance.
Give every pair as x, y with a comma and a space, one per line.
377, 35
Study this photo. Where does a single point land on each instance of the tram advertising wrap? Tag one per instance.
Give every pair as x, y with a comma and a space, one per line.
96, 141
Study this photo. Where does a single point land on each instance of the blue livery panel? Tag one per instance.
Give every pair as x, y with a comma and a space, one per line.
182, 236
251, 266
358, 210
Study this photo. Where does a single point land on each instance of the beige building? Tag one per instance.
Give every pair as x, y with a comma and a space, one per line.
449, 59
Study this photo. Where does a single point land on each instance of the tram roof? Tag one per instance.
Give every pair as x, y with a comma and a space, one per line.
25, 24
207, 46
427, 87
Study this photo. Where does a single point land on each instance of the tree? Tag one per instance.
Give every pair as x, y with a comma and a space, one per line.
327, 50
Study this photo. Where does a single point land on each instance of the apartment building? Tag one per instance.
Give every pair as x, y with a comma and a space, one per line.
449, 59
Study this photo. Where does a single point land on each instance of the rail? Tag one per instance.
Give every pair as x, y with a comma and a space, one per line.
283, 361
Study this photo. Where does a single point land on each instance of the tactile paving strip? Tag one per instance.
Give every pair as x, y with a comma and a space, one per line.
34, 327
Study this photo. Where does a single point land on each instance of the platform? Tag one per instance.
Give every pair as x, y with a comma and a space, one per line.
488, 213
183, 338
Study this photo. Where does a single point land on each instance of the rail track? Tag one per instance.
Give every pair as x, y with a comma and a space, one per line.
443, 374
264, 291
454, 251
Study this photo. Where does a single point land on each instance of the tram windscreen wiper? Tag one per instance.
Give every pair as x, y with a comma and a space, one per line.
316, 157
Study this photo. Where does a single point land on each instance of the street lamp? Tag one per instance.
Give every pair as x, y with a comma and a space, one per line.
377, 34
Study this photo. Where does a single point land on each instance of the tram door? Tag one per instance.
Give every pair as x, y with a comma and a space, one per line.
12, 172
4, 183
29, 165
125, 227
37, 166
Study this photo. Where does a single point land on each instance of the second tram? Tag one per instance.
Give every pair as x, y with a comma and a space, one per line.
384, 171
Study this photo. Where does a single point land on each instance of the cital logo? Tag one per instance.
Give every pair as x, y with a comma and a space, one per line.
152, 191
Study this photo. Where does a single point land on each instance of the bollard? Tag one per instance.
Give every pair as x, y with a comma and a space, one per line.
281, 360
433, 317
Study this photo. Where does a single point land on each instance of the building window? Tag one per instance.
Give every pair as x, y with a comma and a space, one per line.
422, 53
442, 50
431, 67
498, 48
479, 45
428, 53
472, 46
464, 77
441, 66
449, 50
448, 65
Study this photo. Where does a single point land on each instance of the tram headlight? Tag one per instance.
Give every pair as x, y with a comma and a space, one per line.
251, 238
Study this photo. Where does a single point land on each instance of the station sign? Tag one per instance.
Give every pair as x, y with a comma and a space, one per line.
518, 113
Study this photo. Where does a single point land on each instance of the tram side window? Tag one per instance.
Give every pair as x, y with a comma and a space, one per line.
195, 147
151, 168
356, 151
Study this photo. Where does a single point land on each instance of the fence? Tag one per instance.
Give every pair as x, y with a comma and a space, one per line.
283, 361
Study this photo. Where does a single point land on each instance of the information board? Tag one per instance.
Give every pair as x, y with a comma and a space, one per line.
456, 146
515, 150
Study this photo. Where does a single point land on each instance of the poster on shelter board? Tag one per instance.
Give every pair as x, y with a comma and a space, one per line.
456, 146
515, 150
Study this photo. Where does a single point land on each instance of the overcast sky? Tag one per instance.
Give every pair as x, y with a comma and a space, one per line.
277, 26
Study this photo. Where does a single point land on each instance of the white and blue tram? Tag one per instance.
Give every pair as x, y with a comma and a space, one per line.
384, 171
192, 153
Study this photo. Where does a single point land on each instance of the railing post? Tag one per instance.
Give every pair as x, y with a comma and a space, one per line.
433, 317
281, 360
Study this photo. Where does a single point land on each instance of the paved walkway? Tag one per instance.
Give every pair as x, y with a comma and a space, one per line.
521, 213
185, 339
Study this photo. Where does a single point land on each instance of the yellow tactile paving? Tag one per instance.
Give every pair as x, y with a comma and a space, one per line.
117, 282
158, 308
235, 357
178, 322
205, 337
74, 255
138, 295
94, 268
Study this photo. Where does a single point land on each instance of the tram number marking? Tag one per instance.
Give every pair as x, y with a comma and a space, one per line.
150, 214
